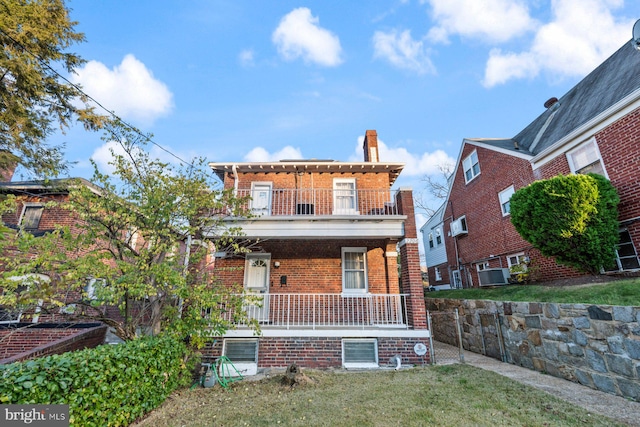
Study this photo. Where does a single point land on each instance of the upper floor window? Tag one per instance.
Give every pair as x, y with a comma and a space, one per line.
31, 215
586, 159
505, 200
430, 240
344, 196
471, 166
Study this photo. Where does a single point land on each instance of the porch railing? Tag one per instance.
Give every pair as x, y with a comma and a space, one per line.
313, 311
315, 202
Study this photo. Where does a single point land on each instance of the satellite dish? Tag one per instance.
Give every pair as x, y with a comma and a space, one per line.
420, 349
635, 41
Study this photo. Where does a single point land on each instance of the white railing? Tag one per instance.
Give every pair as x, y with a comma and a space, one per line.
326, 310
315, 202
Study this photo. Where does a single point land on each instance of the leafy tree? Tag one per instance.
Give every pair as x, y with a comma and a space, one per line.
141, 233
34, 100
573, 218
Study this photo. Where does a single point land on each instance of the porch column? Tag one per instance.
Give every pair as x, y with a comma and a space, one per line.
391, 264
410, 275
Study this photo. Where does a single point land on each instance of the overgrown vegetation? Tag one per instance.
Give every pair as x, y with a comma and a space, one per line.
104, 386
573, 218
455, 395
620, 292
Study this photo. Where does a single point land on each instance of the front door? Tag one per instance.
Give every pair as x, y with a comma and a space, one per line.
261, 198
256, 285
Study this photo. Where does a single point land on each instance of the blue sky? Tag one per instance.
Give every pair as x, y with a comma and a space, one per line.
248, 80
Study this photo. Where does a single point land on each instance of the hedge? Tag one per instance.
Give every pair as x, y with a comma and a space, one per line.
110, 385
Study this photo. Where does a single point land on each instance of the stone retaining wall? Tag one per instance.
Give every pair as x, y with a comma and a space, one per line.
597, 346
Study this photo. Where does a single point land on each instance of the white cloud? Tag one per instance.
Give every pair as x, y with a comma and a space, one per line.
259, 154
582, 34
102, 155
299, 36
490, 20
402, 51
129, 89
246, 58
416, 165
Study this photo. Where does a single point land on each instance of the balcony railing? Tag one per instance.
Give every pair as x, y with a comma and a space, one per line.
311, 311
316, 202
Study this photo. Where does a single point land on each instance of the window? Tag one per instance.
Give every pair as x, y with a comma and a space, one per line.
261, 198
626, 255
482, 266
438, 236
517, 259
354, 270
243, 353
431, 240
31, 215
360, 353
459, 226
344, 196
586, 159
471, 166
505, 200
438, 274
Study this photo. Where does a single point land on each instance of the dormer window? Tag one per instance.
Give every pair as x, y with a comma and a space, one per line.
31, 215
471, 166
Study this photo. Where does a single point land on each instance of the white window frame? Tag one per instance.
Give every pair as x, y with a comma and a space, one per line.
520, 258
363, 251
360, 365
481, 266
505, 200
577, 168
31, 205
438, 274
337, 193
431, 241
243, 367
261, 210
468, 165
438, 232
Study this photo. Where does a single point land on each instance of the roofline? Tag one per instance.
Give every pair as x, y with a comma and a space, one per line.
591, 127
479, 143
61, 184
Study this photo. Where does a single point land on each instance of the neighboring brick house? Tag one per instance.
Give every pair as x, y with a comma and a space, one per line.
324, 264
595, 127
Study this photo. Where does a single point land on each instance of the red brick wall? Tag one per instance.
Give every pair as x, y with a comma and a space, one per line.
32, 342
321, 352
444, 273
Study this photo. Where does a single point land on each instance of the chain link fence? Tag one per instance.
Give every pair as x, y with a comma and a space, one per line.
446, 337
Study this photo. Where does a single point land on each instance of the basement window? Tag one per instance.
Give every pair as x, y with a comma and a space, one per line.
243, 353
360, 353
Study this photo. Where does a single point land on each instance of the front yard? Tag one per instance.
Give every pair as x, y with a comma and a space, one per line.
444, 395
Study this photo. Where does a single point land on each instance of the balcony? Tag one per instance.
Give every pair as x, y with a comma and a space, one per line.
325, 311
319, 202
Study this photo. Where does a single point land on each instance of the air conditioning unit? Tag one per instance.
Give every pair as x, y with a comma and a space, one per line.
459, 226
494, 276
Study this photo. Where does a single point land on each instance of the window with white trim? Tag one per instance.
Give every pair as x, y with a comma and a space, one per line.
517, 259
482, 266
471, 166
344, 196
360, 353
31, 215
438, 274
431, 240
243, 353
438, 236
626, 255
505, 200
354, 270
586, 159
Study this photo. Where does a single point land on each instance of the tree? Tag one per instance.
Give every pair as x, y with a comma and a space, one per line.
437, 187
572, 218
141, 240
35, 36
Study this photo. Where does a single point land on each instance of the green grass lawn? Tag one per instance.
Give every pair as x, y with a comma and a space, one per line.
454, 395
619, 292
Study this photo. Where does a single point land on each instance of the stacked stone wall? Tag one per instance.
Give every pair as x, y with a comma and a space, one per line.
594, 345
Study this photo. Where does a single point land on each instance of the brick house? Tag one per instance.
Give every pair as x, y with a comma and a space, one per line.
594, 127
324, 267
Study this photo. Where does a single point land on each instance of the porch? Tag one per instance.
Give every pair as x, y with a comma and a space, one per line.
323, 311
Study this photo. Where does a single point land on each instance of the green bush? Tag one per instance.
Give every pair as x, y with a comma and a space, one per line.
111, 385
573, 218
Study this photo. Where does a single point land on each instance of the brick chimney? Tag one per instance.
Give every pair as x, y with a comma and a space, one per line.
8, 163
371, 146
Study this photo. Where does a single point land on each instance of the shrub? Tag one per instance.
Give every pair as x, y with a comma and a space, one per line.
573, 218
104, 386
